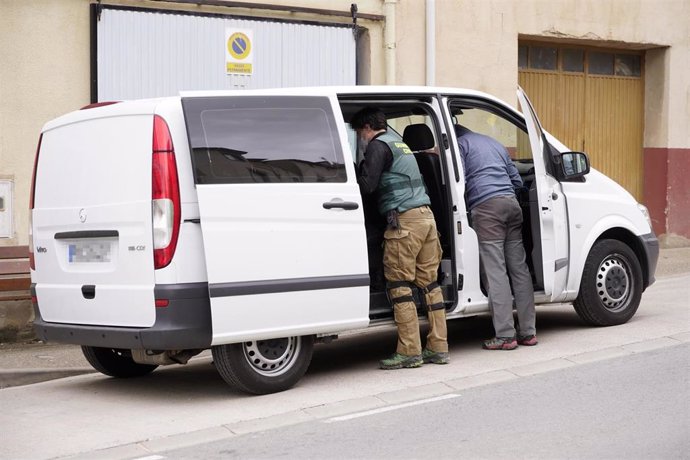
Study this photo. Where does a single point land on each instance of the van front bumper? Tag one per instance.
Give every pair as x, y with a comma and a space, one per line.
650, 243
185, 323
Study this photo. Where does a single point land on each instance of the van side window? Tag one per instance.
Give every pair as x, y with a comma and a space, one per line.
514, 138
252, 139
511, 136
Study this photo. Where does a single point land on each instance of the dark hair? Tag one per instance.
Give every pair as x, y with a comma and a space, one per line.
369, 116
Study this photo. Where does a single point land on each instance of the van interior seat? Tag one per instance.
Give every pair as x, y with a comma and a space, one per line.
420, 139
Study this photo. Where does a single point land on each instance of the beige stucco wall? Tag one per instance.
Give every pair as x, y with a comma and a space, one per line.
477, 46
45, 55
44, 73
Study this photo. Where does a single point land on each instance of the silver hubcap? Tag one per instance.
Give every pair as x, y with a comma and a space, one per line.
613, 283
272, 357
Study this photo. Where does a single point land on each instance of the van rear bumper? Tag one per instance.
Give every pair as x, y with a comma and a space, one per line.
184, 324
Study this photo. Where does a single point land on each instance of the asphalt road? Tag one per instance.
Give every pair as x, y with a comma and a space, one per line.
92, 416
635, 406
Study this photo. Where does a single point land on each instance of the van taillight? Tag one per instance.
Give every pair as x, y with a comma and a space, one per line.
32, 261
165, 195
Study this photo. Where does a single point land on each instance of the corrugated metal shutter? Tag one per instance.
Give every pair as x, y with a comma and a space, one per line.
151, 54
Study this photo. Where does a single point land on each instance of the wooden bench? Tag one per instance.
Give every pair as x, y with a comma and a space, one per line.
15, 277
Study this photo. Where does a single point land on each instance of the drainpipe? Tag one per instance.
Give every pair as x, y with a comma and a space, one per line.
430, 42
389, 39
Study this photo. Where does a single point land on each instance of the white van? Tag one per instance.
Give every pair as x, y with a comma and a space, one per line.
233, 221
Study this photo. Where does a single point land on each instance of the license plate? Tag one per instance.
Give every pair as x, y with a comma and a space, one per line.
89, 252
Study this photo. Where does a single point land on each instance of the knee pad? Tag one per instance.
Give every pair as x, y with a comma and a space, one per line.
400, 292
433, 297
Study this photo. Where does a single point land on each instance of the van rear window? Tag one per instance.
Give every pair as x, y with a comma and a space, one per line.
252, 139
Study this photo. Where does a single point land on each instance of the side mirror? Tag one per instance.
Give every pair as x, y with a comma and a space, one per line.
574, 164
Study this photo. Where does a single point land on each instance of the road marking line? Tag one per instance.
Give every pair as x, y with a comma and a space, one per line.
380, 410
151, 457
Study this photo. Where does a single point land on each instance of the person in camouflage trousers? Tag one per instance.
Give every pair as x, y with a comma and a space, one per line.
412, 251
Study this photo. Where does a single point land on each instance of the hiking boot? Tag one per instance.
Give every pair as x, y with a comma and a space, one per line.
398, 361
500, 343
435, 357
527, 340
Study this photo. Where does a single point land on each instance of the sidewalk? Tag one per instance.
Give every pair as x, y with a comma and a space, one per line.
26, 363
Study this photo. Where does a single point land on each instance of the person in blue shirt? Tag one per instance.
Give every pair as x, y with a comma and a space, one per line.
491, 181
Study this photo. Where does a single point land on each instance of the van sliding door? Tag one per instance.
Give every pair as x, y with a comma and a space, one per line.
281, 216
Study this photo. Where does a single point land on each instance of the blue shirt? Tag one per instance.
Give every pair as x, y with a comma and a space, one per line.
489, 171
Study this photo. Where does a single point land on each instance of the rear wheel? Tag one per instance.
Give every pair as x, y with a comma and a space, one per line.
264, 366
611, 286
115, 362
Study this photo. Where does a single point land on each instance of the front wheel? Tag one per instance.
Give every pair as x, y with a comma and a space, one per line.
115, 362
264, 366
611, 286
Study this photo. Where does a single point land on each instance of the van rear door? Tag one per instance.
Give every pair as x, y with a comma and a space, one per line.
92, 230
281, 215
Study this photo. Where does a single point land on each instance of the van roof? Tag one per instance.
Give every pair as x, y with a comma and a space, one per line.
142, 106
343, 90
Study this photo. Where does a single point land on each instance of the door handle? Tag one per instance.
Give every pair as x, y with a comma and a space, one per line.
346, 205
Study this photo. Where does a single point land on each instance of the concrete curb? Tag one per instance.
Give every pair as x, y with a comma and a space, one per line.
18, 377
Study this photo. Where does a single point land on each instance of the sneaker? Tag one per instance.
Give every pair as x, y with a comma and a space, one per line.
500, 343
435, 357
527, 340
398, 361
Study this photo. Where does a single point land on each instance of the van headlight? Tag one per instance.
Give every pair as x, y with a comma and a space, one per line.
645, 212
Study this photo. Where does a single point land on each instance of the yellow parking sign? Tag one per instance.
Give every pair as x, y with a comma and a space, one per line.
238, 52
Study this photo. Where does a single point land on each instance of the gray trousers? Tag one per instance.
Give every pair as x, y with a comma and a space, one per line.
498, 223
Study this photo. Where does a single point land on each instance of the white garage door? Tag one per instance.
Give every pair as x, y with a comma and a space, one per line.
150, 54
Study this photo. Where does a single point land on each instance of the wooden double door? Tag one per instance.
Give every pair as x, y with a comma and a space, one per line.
593, 101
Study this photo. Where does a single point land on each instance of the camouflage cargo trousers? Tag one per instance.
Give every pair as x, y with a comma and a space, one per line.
411, 256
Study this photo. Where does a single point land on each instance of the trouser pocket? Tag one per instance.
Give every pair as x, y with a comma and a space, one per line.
398, 257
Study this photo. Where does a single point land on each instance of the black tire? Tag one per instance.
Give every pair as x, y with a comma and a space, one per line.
611, 286
115, 362
264, 366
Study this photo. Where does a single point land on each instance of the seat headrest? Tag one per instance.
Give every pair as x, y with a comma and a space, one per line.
418, 137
